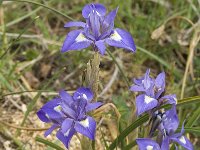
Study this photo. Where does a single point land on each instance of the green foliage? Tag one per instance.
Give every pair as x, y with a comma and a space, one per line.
123, 109
141, 18
50, 144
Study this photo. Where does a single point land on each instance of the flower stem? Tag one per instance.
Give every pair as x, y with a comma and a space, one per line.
92, 74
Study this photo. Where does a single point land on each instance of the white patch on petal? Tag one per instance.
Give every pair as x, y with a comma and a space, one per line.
148, 99
159, 89
80, 38
115, 36
58, 108
149, 147
67, 132
98, 13
143, 81
85, 123
175, 99
47, 116
182, 140
85, 97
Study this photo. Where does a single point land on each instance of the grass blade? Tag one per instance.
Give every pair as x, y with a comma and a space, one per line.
128, 130
45, 6
193, 118
19, 36
46, 142
188, 100
164, 63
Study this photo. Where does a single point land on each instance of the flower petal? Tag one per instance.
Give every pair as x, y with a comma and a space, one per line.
68, 110
65, 139
176, 135
169, 99
108, 22
101, 46
122, 39
147, 144
66, 126
43, 116
85, 93
75, 40
67, 98
165, 144
139, 81
99, 8
183, 141
86, 127
92, 106
75, 24
51, 111
160, 84
145, 103
147, 82
54, 126
171, 120
137, 88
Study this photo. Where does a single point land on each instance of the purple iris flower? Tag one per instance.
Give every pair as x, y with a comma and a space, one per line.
149, 144
168, 125
177, 138
152, 90
96, 31
69, 114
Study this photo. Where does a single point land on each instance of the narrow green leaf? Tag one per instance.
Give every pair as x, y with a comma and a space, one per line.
22, 18
193, 118
188, 100
45, 6
48, 143
130, 145
19, 36
164, 63
5, 82
191, 130
128, 130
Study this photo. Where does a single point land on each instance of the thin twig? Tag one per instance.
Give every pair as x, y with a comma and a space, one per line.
120, 68
113, 78
193, 44
104, 107
23, 128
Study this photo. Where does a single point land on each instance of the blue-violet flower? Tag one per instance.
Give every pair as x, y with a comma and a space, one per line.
152, 90
96, 31
69, 114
